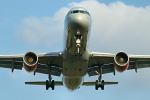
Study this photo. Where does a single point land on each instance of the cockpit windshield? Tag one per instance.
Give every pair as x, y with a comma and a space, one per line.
79, 11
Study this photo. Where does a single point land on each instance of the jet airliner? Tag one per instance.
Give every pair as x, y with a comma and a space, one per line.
75, 61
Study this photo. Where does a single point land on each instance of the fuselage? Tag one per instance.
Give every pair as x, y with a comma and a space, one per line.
76, 55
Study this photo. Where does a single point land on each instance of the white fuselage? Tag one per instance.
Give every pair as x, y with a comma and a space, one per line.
76, 55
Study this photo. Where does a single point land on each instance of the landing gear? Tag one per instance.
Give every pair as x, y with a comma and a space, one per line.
78, 45
99, 84
50, 84
78, 38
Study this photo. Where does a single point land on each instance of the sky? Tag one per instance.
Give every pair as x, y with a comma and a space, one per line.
38, 25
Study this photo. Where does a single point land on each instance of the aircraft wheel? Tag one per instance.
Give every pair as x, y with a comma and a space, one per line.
47, 84
52, 85
102, 86
96, 85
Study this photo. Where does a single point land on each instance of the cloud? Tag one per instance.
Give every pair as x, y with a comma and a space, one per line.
44, 30
117, 26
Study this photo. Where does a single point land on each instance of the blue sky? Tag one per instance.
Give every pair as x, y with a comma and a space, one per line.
39, 26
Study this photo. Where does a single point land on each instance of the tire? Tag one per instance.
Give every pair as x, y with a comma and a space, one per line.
96, 85
52, 85
102, 87
47, 84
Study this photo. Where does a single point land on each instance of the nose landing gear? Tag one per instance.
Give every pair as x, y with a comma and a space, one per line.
78, 38
78, 49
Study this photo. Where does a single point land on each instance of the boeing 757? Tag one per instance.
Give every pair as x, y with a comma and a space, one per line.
75, 61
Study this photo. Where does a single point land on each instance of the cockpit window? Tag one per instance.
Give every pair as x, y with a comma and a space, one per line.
79, 11
75, 11
85, 12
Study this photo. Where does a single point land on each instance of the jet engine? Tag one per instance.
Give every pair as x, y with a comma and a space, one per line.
121, 61
30, 61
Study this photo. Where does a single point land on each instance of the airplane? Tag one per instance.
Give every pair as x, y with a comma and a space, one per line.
75, 61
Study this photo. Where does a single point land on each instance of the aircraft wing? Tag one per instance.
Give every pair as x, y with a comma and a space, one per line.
50, 59
45, 60
106, 61
11, 61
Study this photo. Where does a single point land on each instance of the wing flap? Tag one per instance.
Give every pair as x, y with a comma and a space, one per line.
106, 68
93, 73
103, 60
44, 69
11, 63
137, 64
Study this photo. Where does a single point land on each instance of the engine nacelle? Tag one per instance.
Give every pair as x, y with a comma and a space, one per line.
30, 61
121, 61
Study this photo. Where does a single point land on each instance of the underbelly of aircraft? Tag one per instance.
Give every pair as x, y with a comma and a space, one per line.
73, 73
72, 83
74, 69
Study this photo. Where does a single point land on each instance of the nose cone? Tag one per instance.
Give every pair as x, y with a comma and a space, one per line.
79, 21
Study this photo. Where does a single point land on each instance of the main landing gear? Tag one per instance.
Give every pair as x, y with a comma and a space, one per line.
50, 83
99, 83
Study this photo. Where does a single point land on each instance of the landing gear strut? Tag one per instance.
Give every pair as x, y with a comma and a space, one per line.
98, 82
78, 38
50, 83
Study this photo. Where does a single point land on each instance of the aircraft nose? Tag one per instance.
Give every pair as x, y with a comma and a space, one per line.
79, 21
